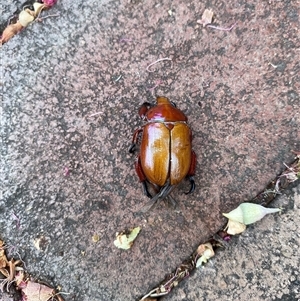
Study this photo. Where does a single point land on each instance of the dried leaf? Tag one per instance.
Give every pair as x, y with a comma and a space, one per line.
26, 17
3, 259
125, 240
206, 18
95, 238
4, 272
205, 251
37, 292
20, 279
234, 227
249, 213
38, 7
41, 243
10, 31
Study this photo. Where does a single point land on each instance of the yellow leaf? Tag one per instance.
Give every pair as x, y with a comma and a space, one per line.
95, 238
205, 251
234, 227
26, 17
124, 240
207, 17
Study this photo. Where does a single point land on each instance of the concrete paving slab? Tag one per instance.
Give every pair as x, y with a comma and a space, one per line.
66, 172
260, 264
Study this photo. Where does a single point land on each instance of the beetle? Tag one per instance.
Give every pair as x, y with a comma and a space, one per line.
166, 156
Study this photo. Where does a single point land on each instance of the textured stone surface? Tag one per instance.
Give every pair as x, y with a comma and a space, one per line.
240, 90
260, 264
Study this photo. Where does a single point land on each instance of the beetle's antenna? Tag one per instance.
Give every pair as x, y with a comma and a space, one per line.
163, 193
172, 201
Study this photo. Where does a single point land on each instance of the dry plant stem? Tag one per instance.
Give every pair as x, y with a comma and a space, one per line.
17, 219
218, 240
160, 60
12, 268
49, 16
157, 84
221, 28
96, 114
58, 297
125, 40
276, 186
38, 16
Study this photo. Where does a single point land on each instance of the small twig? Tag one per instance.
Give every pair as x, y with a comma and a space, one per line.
23, 262
268, 191
125, 40
221, 28
96, 114
41, 19
274, 66
57, 296
118, 78
157, 84
4, 282
289, 168
296, 153
17, 219
149, 294
159, 60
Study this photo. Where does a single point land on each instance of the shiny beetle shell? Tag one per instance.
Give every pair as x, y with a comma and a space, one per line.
166, 152
166, 156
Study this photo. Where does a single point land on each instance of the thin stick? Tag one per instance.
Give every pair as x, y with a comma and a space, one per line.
221, 28
95, 114
41, 19
159, 60
125, 40
17, 219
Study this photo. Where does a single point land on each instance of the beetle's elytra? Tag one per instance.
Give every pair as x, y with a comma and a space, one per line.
166, 156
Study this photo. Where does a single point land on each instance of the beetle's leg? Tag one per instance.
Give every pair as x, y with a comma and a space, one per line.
145, 189
173, 104
191, 173
193, 185
134, 140
144, 108
142, 177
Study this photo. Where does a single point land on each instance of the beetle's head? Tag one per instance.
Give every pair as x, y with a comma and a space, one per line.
164, 111
161, 100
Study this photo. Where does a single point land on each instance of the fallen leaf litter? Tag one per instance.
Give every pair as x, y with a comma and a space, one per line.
207, 250
207, 19
124, 240
24, 19
14, 273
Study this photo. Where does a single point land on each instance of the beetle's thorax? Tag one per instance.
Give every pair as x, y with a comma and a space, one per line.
164, 111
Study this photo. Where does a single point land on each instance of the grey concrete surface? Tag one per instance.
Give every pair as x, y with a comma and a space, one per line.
240, 90
260, 264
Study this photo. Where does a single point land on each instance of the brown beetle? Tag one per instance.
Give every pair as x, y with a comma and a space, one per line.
166, 156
